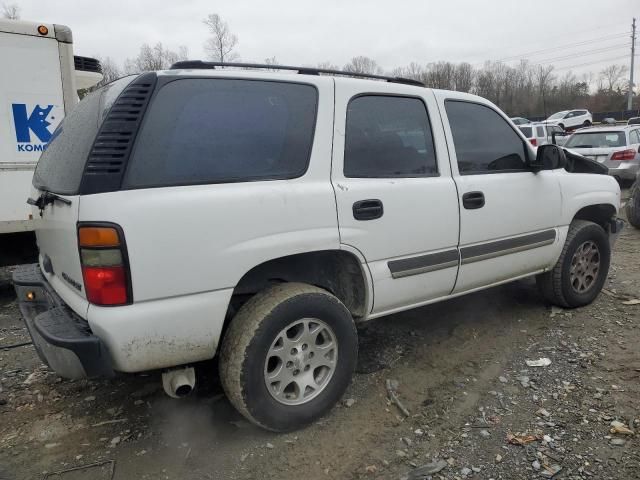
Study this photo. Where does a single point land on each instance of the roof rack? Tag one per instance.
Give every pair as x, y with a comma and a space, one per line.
199, 64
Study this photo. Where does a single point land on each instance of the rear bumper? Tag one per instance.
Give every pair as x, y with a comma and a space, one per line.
625, 171
62, 340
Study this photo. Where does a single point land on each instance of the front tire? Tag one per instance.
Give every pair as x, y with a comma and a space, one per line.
579, 274
632, 209
586, 123
288, 356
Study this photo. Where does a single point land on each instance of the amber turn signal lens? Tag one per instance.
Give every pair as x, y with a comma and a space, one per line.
31, 296
42, 30
98, 237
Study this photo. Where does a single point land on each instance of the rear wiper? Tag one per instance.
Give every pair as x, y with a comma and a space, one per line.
47, 198
581, 146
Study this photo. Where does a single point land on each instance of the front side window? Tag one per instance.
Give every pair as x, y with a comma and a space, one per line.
200, 131
484, 141
388, 136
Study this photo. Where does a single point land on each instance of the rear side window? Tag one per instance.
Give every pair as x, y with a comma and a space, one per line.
540, 131
388, 137
217, 130
527, 131
634, 136
61, 165
484, 141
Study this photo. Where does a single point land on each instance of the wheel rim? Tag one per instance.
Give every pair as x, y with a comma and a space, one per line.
301, 361
585, 266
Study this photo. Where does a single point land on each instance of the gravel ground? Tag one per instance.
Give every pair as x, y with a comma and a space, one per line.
476, 408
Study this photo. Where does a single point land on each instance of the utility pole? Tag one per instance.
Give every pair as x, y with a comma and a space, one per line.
633, 53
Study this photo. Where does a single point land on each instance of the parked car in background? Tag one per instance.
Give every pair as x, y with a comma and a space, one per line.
520, 120
632, 207
570, 119
535, 136
634, 121
608, 121
616, 148
556, 135
541, 134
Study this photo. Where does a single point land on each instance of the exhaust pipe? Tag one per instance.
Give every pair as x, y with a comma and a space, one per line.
179, 382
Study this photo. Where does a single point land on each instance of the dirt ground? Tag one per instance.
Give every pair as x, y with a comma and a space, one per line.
461, 371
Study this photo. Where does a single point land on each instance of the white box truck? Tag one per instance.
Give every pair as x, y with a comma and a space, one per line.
38, 87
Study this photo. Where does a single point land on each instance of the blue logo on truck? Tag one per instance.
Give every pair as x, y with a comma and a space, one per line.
32, 126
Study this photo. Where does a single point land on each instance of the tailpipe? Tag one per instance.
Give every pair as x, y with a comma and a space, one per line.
179, 382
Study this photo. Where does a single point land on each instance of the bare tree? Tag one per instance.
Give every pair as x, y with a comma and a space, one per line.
157, 57
220, 47
110, 71
11, 11
328, 66
613, 76
362, 64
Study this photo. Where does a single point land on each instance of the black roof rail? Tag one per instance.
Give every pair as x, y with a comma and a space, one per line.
199, 64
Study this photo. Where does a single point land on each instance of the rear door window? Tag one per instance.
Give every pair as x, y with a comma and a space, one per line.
62, 163
200, 131
388, 136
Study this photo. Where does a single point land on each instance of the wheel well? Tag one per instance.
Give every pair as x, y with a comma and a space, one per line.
336, 271
600, 214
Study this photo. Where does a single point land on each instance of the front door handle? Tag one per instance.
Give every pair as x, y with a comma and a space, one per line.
368, 209
473, 200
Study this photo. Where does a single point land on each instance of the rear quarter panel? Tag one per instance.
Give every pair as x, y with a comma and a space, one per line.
188, 247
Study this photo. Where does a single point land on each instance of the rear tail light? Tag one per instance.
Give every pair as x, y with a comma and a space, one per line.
534, 142
105, 267
624, 155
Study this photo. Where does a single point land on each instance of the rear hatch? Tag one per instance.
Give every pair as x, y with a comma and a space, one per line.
55, 197
598, 145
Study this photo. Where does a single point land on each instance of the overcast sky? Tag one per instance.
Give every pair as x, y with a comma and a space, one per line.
394, 33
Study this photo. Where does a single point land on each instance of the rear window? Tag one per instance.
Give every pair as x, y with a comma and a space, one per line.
224, 130
597, 140
527, 131
61, 165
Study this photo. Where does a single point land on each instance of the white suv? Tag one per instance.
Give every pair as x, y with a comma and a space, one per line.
259, 216
571, 119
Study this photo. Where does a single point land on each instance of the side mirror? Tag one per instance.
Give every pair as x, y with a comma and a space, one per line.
549, 157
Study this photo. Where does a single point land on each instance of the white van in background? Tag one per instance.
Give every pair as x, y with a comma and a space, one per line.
38, 87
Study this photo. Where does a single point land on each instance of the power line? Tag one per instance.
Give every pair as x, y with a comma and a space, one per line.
561, 47
582, 54
607, 60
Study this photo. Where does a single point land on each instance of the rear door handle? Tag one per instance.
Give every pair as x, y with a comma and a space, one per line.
368, 209
473, 200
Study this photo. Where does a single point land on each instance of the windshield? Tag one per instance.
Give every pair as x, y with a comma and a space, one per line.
61, 165
526, 130
558, 115
597, 140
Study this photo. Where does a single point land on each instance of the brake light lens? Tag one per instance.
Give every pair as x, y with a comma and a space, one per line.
534, 141
624, 155
105, 269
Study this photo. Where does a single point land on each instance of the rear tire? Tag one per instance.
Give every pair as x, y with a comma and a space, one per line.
561, 126
632, 209
579, 274
275, 368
